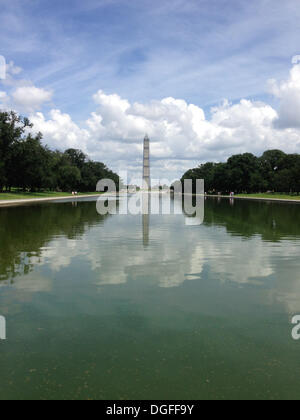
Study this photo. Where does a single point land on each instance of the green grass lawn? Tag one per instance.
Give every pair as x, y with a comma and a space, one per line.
276, 196
16, 195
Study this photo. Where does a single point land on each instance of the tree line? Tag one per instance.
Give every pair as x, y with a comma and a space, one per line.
25, 163
274, 171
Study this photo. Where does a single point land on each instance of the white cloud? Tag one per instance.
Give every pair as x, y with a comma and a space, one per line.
3, 96
12, 69
288, 93
182, 136
60, 131
180, 131
31, 98
4, 100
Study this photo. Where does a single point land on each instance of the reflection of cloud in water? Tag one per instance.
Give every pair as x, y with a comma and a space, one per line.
33, 283
175, 253
172, 258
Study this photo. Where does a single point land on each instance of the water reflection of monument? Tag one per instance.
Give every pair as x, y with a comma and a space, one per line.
146, 165
146, 207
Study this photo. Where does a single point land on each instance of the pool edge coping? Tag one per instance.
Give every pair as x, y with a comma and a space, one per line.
20, 202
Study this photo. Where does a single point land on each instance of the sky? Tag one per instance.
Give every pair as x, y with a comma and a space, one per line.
204, 78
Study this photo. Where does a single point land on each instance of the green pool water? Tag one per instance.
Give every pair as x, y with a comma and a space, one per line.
138, 307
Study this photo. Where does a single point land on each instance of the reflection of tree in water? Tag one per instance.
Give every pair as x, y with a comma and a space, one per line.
24, 231
273, 221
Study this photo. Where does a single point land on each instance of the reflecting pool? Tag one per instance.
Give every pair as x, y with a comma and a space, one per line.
148, 306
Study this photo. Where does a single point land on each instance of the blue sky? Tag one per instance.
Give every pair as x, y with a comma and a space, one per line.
199, 51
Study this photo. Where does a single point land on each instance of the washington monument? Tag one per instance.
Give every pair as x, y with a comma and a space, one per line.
146, 165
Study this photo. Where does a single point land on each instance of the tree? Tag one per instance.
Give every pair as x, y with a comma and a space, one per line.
69, 178
241, 172
29, 165
206, 172
274, 170
221, 182
12, 129
77, 157
291, 169
271, 162
26, 163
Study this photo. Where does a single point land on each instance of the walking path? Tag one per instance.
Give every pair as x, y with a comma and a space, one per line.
19, 202
281, 200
